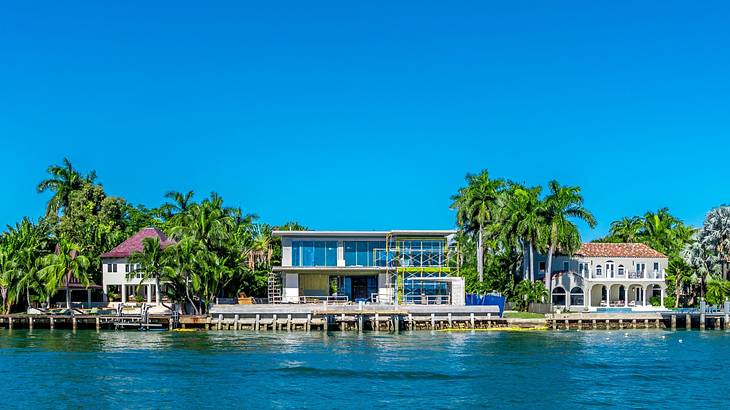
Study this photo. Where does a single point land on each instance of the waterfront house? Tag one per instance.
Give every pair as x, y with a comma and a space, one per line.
386, 267
119, 277
605, 276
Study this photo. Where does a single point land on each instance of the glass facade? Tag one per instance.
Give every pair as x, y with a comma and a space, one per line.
421, 253
363, 253
314, 253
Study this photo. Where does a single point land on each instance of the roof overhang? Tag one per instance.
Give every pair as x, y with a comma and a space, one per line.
328, 269
373, 234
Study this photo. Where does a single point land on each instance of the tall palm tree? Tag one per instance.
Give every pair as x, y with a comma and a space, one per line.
476, 208
62, 267
64, 179
181, 257
152, 263
179, 203
8, 278
523, 213
627, 229
563, 204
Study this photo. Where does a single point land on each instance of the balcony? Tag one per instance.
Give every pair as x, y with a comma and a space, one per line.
639, 275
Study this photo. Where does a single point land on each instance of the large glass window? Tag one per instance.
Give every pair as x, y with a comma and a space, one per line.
314, 253
365, 253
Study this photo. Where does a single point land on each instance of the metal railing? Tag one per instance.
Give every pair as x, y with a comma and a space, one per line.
427, 299
324, 299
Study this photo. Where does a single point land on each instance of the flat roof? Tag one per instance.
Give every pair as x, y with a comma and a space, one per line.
424, 232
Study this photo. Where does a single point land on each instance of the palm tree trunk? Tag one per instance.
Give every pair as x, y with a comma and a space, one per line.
480, 255
724, 270
532, 262
548, 270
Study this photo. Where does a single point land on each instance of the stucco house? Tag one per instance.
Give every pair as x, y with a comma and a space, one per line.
605, 276
118, 275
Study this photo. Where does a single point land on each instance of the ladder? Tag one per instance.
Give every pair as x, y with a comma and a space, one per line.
274, 283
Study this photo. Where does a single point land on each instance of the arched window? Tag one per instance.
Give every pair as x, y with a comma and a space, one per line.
559, 296
599, 270
621, 270
576, 296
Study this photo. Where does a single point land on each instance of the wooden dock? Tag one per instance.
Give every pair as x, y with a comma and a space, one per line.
80, 321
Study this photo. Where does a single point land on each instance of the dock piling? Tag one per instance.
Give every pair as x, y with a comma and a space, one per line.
674, 322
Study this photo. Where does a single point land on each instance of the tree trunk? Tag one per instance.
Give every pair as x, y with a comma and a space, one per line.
480, 255
187, 294
548, 271
677, 293
532, 262
724, 270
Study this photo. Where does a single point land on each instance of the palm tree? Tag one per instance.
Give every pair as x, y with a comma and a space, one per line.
716, 235
627, 229
8, 278
152, 263
180, 204
181, 257
476, 208
562, 205
62, 267
523, 217
64, 179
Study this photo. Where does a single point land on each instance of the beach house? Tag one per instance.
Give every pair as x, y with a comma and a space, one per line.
607, 276
386, 267
120, 282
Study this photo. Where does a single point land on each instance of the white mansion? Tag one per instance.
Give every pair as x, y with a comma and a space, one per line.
601, 276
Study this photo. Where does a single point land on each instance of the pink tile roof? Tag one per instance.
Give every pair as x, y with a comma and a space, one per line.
618, 250
134, 243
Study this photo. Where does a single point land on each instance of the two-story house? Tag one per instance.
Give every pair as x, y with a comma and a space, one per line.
119, 276
404, 267
601, 276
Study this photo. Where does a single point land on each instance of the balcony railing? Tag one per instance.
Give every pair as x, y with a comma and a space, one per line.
625, 275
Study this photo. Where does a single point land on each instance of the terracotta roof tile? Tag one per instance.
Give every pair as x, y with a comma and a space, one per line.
618, 250
134, 243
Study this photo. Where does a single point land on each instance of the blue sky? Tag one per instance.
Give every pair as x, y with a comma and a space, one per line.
368, 115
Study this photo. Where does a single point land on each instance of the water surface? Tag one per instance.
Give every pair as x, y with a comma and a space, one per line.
567, 369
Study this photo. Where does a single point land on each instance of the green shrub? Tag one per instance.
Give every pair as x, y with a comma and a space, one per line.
655, 301
670, 302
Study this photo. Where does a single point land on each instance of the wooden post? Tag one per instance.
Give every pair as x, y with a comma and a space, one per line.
646, 323
657, 324
450, 321
717, 323
702, 321
288, 322
51, 322
360, 323
309, 322
396, 323
342, 322
674, 322
567, 324
555, 324
594, 324
30, 323
608, 324
256, 324
219, 325
688, 322
376, 323
633, 323
433, 321
98, 324
471, 319
620, 323
73, 323
10, 322
275, 325
326, 324
170, 323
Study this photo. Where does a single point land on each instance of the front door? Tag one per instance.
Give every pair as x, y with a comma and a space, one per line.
360, 288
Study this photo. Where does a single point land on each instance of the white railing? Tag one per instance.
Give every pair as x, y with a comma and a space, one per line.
427, 299
628, 275
323, 299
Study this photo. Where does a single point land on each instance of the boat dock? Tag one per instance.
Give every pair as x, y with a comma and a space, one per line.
346, 317
81, 321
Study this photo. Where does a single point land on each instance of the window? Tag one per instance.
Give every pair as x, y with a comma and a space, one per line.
364, 253
640, 267
599, 270
314, 253
656, 267
566, 266
621, 270
583, 268
542, 266
111, 267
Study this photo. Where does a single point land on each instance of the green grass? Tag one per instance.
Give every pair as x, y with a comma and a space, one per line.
523, 315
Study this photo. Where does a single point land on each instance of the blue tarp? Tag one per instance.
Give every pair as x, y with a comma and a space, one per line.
473, 299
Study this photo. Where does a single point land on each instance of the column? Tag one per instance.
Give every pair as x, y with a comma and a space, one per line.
158, 296
626, 297
105, 295
149, 294
124, 293
587, 296
644, 290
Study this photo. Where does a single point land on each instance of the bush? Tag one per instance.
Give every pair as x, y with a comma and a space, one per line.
670, 302
527, 292
655, 301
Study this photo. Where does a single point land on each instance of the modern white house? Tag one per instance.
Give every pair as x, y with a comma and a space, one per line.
387, 267
605, 276
118, 277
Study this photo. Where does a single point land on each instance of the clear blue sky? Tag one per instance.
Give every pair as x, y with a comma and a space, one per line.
368, 115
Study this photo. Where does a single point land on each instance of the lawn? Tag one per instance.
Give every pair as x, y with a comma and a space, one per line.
523, 315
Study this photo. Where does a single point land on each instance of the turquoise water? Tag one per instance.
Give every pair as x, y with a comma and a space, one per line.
567, 369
